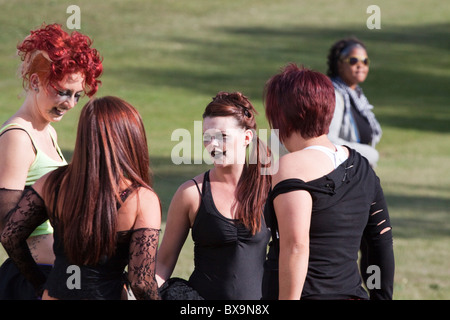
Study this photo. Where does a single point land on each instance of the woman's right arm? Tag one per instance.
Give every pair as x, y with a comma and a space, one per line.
184, 203
293, 212
15, 159
27, 215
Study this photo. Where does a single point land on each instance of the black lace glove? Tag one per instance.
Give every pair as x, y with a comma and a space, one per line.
29, 213
142, 264
8, 201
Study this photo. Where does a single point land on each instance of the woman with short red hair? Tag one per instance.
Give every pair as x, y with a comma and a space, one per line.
325, 199
57, 69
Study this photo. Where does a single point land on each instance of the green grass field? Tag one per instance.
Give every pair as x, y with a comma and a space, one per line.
168, 58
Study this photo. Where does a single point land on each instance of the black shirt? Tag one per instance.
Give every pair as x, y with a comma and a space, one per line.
362, 125
348, 206
229, 260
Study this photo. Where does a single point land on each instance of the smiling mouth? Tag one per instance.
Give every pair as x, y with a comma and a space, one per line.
218, 153
58, 111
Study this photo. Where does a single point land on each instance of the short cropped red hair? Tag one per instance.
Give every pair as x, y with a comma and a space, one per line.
52, 53
299, 100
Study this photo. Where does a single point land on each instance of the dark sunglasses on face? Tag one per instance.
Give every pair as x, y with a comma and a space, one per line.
354, 60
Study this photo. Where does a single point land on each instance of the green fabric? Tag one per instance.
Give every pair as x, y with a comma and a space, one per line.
41, 165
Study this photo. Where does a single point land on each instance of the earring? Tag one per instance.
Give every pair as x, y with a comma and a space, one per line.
36, 89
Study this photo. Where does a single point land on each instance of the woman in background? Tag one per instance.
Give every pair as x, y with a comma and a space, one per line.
223, 207
57, 69
103, 209
354, 123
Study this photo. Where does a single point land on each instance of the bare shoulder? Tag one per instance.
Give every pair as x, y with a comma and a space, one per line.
291, 165
147, 195
188, 190
147, 207
12, 137
16, 157
141, 199
186, 201
305, 165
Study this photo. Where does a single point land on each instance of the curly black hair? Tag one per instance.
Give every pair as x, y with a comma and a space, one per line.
336, 52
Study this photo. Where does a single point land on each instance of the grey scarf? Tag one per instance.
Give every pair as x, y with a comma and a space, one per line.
361, 103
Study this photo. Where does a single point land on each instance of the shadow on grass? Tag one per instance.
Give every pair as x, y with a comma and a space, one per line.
406, 73
419, 216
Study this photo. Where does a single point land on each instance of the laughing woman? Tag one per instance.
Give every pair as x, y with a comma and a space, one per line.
223, 207
57, 69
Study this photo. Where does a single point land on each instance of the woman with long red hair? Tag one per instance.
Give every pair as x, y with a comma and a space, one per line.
105, 213
223, 207
57, 69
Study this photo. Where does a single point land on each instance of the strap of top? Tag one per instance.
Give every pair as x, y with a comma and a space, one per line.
20, 127
294, 184
198, 188
337, 157
125, 193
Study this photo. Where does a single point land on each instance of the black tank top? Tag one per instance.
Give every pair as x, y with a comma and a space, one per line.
229, 260
363, 125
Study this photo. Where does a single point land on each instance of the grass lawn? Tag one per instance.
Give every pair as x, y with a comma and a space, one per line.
168, 58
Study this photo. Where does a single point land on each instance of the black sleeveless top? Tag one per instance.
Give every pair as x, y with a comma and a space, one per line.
348, 206
229, 260
104, 280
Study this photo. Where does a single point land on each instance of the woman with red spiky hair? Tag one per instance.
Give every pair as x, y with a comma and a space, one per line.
57, 69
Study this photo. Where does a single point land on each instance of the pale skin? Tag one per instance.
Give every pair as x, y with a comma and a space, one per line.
224, 177
293, 209
356, 74
43, 105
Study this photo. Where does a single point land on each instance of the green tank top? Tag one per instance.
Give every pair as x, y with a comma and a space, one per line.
41, 165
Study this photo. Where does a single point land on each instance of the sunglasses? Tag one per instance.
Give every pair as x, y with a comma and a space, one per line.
354, 60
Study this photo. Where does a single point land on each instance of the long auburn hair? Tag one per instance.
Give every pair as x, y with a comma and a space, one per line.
253, 186
82, 197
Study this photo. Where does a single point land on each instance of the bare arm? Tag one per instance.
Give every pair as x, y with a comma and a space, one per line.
16, 156
293, 212
184, 203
